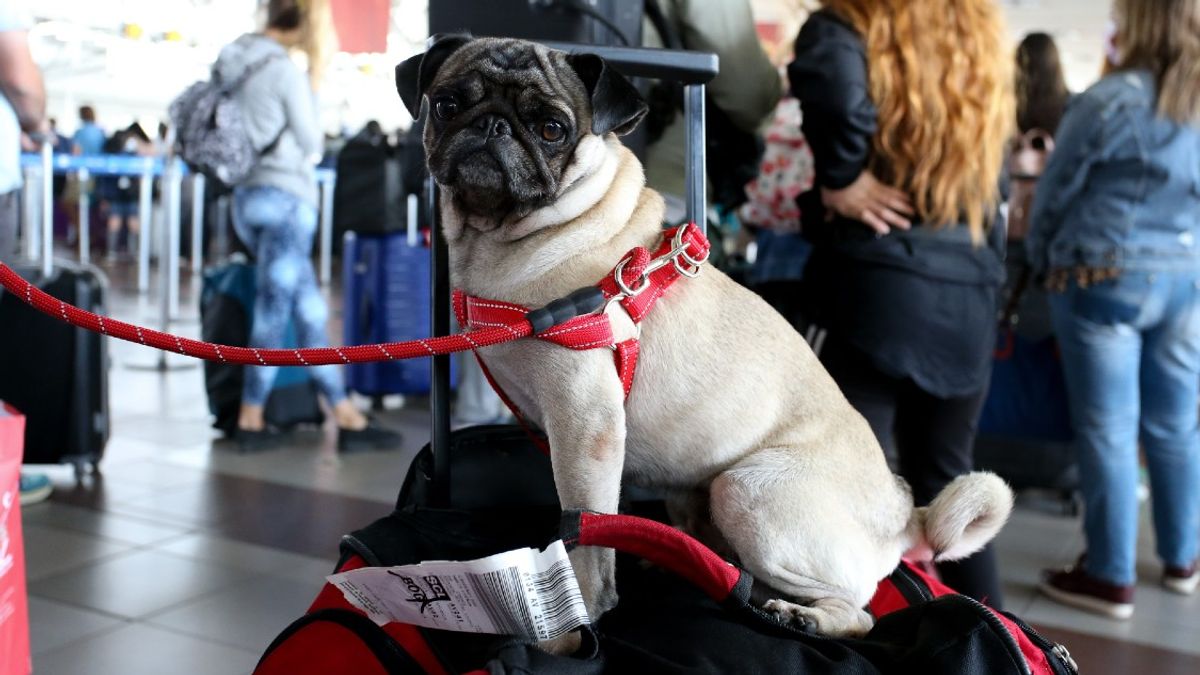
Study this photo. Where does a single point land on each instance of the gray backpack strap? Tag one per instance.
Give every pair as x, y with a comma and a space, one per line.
241, 80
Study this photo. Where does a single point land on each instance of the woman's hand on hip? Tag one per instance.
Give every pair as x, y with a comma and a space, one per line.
880, 207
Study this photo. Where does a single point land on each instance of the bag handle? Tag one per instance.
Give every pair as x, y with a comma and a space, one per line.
664, 546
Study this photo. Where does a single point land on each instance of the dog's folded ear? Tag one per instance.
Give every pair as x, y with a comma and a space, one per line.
414, 74
617, 106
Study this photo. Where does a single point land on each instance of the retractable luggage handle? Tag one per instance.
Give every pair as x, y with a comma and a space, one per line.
694, 70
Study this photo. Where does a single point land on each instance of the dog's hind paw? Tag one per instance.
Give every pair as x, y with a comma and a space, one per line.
792, 614
829, 616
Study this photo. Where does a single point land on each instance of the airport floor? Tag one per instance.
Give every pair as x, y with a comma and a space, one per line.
184, 556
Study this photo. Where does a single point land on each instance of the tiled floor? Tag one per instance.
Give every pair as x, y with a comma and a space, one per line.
185, 557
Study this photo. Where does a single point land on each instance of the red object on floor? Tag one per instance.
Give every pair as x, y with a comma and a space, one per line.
14, 603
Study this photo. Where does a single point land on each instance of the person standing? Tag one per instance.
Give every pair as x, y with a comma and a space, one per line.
1042, 92
907, 107
89, 138
1116, 236
22, 112
275, 214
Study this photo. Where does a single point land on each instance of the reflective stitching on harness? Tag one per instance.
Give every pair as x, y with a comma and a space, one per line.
563, 331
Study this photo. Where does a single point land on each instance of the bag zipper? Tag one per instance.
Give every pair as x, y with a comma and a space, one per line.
1059, 657
1060, 653
998, 626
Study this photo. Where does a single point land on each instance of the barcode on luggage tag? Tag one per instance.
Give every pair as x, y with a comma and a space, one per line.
524, 592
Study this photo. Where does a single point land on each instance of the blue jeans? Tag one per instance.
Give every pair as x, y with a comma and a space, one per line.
1131, 353
278, 228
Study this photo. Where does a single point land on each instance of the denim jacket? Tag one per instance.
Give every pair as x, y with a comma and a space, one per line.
1122, 189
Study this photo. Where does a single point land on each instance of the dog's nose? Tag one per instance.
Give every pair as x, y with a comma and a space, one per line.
493, 125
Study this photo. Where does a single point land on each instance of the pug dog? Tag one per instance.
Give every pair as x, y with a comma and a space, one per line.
730, 414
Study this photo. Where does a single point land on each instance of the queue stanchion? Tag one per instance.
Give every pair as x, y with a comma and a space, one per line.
221, 223
326, 231
47, 181
173, 188
168, 270
144, 216
85, 217
197, 224
32, 228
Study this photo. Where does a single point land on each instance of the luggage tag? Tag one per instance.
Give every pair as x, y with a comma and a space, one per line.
524, 592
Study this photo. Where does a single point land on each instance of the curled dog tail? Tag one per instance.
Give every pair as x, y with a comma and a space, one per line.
962, 519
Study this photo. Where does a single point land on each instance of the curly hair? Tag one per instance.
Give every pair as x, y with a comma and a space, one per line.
1163, 36
941, 77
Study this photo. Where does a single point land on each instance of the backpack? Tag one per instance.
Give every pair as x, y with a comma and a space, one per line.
211, 134
1026, 161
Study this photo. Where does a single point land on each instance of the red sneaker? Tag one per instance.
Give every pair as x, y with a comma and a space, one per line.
1181, 580
1072, 586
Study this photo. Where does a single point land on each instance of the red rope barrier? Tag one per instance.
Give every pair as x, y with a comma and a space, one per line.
389, 351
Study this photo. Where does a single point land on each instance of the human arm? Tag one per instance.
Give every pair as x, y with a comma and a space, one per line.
21, 81
1076, 149
829, 77
300, 111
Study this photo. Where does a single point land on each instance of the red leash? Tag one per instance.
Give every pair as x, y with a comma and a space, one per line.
576, 321
391, 351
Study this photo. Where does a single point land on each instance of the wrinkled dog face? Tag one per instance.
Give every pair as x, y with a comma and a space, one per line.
505, 117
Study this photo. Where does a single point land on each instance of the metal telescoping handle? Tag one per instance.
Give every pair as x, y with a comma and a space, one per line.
697, 182
413, 205
439, 394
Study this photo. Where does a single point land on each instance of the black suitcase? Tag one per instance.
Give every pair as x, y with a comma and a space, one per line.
370, 194
57, 374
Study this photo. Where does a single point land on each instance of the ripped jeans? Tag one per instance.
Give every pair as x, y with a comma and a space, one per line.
1131, 356
278, 228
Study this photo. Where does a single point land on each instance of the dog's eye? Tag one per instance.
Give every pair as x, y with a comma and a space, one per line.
445, 108
553, 131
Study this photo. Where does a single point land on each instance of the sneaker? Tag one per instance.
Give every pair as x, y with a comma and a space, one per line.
35, 487
1181, 580
1072, 586
371, 437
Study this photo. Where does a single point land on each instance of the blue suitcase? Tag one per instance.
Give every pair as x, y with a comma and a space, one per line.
387, 299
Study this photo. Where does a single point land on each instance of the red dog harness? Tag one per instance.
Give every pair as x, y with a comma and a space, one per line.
637, 282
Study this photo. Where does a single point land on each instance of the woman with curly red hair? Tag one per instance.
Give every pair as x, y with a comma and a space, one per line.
908, 105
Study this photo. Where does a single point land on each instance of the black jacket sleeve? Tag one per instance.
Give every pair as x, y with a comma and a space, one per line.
829, 77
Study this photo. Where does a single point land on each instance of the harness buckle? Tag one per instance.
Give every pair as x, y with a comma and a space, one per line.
619, 277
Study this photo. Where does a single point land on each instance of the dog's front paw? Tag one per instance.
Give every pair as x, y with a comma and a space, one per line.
563, 645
